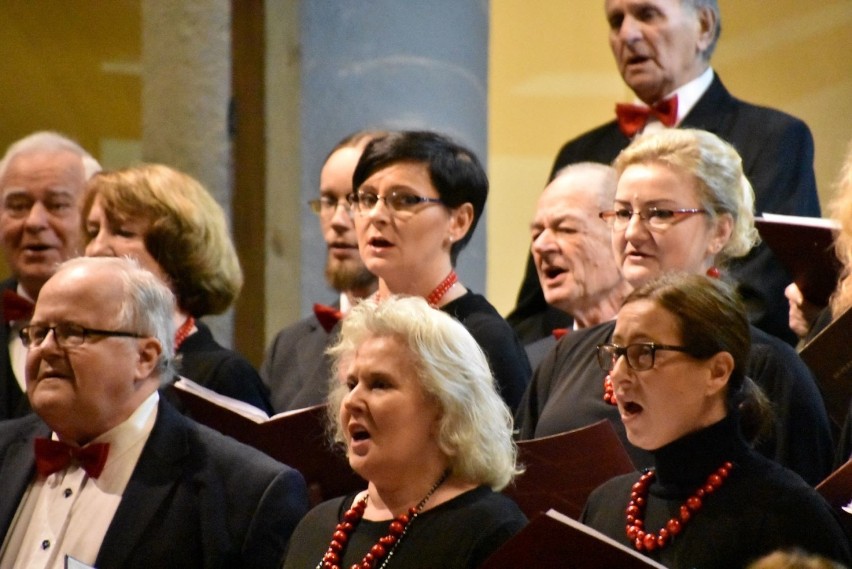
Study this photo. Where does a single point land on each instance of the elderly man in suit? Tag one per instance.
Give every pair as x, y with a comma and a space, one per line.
41, 181
295, 368
662, 49
108, 474
568, 239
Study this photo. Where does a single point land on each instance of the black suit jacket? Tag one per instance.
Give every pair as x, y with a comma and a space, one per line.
13, 401
296, 369
196, 498
778, 154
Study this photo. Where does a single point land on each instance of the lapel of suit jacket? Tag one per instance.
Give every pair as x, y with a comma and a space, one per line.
17, 467
712, 112
9, 387
156, 473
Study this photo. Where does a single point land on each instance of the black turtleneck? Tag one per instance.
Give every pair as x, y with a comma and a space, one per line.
759, 508
684, 465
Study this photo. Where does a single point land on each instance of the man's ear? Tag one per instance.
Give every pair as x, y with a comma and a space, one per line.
148, 357
707, 23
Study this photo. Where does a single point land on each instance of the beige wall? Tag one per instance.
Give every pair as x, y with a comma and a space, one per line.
75, 69
552, 77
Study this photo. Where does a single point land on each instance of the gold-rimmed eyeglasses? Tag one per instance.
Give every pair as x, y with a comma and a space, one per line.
327, 205
652, 217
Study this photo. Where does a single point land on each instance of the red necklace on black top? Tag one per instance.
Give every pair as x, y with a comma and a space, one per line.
386, 545
438, 293
434, 297
184, 331
644, 540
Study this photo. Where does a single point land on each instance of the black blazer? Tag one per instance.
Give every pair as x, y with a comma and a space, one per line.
296, 369
13, 401
778, 155
196, 498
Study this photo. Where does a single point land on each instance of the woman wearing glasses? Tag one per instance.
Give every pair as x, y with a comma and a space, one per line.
173, 227
677, 360
682, 205
418, 198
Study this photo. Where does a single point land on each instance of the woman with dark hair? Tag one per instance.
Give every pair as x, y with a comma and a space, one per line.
418, 197
173, 227
677, 361
682, 204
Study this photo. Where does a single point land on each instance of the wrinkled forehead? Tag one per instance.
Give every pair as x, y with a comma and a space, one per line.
39, 170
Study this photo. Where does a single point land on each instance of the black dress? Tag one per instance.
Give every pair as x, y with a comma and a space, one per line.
759, 508
506, 356
205, 361
566, 393
460, 533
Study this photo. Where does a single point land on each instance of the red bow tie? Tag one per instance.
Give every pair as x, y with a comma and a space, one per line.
328, 316
559, 333
632, 118
16, 307
53, 456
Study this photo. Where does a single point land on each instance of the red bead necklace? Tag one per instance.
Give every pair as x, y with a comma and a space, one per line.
386, 545
609, 391
648, 541
438, 293
184, 331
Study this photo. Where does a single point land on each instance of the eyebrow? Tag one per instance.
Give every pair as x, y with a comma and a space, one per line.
58, 191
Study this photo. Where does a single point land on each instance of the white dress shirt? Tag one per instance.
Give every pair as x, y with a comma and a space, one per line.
687, 97
69, 513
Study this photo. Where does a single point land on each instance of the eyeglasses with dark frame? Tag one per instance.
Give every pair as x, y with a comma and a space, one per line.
327, 205
640, 356
67, 335
652, 217
396, 201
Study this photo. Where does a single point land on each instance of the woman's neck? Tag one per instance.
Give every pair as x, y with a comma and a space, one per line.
687, 462
422, 286
389, 501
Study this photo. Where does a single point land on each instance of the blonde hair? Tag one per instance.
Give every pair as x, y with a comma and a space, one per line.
188, 234
475, 428
718, 172
841, 210
794, 559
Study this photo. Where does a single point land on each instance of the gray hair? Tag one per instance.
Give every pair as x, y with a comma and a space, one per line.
603, 191
147, 306
48, 141
718, 171
475, 428
713, 6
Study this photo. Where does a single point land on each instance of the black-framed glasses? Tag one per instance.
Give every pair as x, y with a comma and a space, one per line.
395, 201
652, 217
640, 356
327, 205
67, 335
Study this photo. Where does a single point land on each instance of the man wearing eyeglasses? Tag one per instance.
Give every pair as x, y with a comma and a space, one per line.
41, 181
662, 49
107, 474
295, 368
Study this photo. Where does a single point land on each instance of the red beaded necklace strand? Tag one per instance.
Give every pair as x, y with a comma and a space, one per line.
609, 391
386, 545
644, 540
438, 293
184, 331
